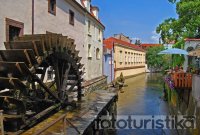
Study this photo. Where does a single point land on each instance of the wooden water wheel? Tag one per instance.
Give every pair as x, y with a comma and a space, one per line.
38, 75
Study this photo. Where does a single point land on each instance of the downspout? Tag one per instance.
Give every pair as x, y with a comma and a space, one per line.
111, 66
33, 2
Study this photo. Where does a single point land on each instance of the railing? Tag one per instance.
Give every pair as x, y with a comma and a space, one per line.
1, 122
53, 123
65, 121
182, 80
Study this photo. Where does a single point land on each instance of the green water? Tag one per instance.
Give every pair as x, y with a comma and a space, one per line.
142, 96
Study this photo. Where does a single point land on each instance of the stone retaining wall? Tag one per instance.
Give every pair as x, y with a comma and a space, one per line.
94, 84
179, 105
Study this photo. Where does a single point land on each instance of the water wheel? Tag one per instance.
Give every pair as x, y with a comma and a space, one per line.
38, 74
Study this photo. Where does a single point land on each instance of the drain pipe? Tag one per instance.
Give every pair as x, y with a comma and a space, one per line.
33, 2
111, 66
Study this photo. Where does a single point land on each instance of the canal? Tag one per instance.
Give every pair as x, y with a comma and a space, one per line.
142, 96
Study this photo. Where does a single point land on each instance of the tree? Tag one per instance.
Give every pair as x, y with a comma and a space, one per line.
155, 61
186, 25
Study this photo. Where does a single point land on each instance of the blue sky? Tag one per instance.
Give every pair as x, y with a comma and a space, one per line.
134, 18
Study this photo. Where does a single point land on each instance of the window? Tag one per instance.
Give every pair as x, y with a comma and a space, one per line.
52, 6
13, 29
134, 58
98, 56
71, 17
131, 60
89, 51
120, 57
126, 58
89, 27
99, 34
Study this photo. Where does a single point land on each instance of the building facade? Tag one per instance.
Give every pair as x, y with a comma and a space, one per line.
168, 46
190, 45
129, 59
68, 17
93, 41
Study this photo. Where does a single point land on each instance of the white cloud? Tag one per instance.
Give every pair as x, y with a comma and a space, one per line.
155, 37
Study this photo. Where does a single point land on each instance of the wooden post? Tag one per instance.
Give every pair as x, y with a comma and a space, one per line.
1, 120
64, 126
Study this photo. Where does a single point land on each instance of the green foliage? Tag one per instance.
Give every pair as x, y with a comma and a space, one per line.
186, 25
155, 61
178, 59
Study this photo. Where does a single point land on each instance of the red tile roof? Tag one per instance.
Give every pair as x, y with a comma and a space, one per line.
91, 13
150, 45
111, 41
192, 39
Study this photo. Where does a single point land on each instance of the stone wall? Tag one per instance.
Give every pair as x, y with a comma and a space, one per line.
94, 84
130, 72
181, 102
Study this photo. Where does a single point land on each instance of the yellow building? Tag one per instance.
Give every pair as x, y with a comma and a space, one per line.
129, 59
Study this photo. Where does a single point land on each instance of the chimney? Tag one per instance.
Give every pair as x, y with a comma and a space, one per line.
87, 4
95, 11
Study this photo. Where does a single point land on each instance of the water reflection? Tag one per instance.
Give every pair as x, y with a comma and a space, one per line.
143, 97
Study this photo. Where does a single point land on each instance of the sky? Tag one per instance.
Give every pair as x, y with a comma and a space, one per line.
137, 19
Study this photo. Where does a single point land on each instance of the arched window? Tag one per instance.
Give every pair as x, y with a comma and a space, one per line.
98, 56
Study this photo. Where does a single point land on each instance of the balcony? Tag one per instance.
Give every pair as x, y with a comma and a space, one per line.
182, 80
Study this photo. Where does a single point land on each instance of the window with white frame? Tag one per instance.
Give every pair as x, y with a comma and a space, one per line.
131, 59
125, 58
52, 6
120, 57
89, 51
128, 60
98, 56
134, 57
99, 36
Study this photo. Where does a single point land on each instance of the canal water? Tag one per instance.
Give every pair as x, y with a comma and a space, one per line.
142, 96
